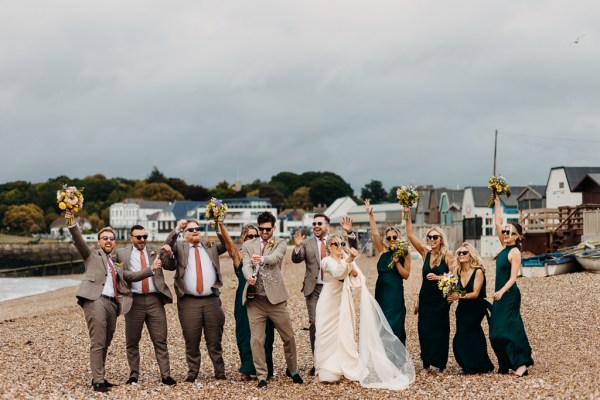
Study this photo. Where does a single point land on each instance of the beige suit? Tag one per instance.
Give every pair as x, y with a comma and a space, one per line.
199, 314
273, 306
101, 313
149, 309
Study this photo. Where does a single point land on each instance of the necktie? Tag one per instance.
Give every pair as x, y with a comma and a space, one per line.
199, 281
145, 284
263, 248
323, 254
114, 275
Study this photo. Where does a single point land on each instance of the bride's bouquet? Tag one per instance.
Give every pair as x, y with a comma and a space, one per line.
70, 198
399, 249
498, 186
407, 196
216, 209
448, 284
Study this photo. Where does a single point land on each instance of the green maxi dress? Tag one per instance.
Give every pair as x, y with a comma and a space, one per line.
389, 294
507, 333
242, 331
470, 348
434, 318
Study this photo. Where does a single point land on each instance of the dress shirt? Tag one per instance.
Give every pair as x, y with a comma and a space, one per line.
135, 264
109, 289
209, 275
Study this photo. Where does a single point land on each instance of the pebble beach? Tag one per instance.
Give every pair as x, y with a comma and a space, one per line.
44, 348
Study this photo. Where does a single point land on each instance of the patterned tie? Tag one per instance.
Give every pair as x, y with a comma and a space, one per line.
114, 275
145, 284
323, 254
199, 281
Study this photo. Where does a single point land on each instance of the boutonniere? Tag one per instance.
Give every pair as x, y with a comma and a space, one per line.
152, 253
209, 244
118, 264
271, 243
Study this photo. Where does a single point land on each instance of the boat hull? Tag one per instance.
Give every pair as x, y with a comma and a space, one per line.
591, 264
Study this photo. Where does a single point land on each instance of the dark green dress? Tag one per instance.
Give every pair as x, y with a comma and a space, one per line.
470, 348
389, 293
242, 331
434, 318
507, 333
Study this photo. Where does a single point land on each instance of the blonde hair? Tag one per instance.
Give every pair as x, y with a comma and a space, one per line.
475, 260
437, 260
107, 229
245, 230
334, 239
390, 228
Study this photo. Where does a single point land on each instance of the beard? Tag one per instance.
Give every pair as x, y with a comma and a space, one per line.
195, 239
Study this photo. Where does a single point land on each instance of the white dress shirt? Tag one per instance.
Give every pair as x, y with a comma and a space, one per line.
135, 264
209, 275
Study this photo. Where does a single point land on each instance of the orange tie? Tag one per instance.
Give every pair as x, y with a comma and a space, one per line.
199, 282
145, 284
323, 254
114, 275
263, 249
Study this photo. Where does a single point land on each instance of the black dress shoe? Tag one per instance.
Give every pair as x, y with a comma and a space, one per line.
312, 371
288, 373
220, 377
297, 379
100, 387
131, 380
190, 379
167, 380
108, 384
262, 384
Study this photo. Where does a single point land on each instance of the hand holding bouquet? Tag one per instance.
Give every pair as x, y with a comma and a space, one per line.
498, 186
407, 196
216, 209
449, 283
70, 198
399, 249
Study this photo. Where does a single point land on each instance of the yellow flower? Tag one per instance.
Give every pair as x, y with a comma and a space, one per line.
62, 205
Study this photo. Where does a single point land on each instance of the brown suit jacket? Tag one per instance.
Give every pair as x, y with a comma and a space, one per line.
271, 270
180, 260
124, 257
95, 274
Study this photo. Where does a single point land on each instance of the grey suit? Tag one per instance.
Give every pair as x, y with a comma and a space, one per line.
198, 314
147, 308
272, 306
310, 252
101, 313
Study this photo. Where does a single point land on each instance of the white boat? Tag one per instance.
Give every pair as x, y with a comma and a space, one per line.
548, 265
590, 260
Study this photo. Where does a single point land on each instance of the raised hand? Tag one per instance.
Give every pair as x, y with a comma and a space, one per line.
346, 224
368, 207
167, 250
299, 238
181, 225
157, 264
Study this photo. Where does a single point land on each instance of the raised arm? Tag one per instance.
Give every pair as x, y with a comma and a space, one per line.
498, 218
377, 241
410, 234
78, 241
233, 251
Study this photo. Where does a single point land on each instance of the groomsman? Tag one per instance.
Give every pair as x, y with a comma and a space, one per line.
149, 299
262, 258
103, 295
312, 251
197, 283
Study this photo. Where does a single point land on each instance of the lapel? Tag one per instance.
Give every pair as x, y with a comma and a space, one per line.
316, 248
127, 256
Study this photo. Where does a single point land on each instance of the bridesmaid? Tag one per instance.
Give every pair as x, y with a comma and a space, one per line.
470, 348
242, 326
507, 333
389, 288
434, 310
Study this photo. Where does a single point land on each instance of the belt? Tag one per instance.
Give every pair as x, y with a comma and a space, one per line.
109, 298
198, 297
143, 294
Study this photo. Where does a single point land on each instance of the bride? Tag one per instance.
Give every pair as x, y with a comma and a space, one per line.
379, 360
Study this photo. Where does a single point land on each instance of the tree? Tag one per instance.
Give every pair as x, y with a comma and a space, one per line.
271, 192
223, 190
196, 193
299, 199
326, 189
374, 191
392, 198
286, 182
156, 176
27, 218
156, 192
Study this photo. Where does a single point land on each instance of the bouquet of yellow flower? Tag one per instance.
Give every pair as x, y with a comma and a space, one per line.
407, 196
399, 249
449, 283
70, 198
216, 209
498, 186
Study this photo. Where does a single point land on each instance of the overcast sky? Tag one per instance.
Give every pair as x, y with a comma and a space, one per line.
398, 91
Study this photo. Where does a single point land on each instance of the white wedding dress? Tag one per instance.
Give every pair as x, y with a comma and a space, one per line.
380, 360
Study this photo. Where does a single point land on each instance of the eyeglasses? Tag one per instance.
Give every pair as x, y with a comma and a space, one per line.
462, 253
196, 229
318, 223
506, 232
112, 239
342, 244
265, 229
433, 237
390, 238
251, 236
140, 237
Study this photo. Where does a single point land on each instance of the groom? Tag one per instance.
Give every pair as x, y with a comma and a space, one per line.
262, 268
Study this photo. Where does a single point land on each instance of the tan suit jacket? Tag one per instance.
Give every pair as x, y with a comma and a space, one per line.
95, 274
270, 271
124, 257
181, 254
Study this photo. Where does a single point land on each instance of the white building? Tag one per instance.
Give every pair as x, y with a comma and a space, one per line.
562, 181
154, 216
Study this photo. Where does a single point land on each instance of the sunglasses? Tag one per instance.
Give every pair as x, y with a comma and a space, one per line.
251, 236
197, 229
318, 223
342, 244
390, 238
265, 229
462, 253
140, 237
505, 232
112, 239
433, 237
